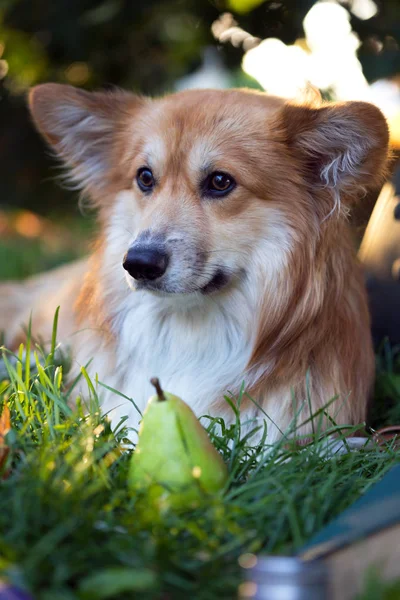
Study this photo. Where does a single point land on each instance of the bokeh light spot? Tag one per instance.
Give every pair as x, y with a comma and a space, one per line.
247, 589
28, 224
78, 73
247, 560
3, 68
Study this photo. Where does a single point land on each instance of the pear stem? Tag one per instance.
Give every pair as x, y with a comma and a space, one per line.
156, 382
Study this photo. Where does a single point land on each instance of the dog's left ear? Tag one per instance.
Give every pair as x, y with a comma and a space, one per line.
342, 147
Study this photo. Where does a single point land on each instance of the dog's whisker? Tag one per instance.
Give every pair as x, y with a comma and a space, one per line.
224, 250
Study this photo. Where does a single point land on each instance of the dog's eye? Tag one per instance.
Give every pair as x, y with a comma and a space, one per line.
145, 179
219, 184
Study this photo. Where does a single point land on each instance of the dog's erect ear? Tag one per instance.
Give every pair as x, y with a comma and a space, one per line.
343, 147
82, 127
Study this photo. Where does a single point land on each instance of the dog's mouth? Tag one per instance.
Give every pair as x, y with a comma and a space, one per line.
219, 280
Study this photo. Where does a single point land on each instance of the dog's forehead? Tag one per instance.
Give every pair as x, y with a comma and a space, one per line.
198, 127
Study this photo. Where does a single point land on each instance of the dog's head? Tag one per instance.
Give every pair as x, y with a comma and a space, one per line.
199, 188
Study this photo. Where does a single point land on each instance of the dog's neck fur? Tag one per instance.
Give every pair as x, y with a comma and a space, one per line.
198, 346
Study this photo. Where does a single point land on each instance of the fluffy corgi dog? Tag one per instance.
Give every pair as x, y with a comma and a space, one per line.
224, 256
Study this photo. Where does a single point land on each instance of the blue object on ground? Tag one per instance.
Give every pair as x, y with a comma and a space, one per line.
9, 592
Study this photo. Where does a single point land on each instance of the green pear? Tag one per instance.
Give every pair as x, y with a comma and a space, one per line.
174, 460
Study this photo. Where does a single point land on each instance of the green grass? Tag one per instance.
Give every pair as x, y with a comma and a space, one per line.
70, 528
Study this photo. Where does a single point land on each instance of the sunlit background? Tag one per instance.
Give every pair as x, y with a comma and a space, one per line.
348, 50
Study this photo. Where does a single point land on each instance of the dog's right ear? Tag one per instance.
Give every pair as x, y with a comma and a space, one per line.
82, 127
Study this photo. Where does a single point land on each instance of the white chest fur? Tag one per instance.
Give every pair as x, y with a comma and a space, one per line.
198, 352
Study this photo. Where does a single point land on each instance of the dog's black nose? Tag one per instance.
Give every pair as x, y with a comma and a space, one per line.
145, 263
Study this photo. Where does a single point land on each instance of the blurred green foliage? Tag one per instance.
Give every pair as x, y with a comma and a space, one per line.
29, 244
243, 6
